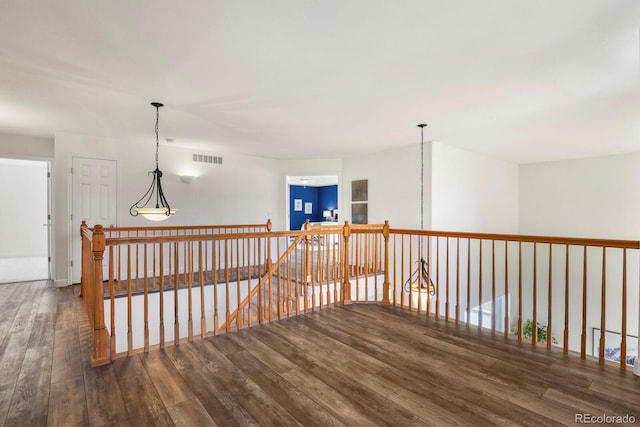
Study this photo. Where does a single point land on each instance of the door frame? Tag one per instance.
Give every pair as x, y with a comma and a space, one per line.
325, 179
50, 164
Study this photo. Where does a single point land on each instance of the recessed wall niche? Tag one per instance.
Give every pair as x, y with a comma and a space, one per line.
359, 199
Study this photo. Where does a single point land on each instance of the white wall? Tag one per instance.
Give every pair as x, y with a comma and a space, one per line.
243, 189
23, 147
595, 197
393, 187
473, 192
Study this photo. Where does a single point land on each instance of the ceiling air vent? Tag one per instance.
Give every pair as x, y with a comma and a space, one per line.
204, 158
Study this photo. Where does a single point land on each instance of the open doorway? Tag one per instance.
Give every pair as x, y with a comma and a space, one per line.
311, 197
25, 227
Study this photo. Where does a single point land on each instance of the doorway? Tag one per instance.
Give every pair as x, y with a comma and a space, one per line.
25, 253
311, 197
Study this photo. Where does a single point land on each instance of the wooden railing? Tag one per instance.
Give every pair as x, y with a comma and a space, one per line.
163, 282
565, 287
180, 282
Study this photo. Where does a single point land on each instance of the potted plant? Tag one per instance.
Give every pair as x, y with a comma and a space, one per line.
541, 333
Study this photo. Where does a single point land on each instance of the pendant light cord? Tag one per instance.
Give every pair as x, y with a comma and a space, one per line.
422, 126
157, 139
421, 178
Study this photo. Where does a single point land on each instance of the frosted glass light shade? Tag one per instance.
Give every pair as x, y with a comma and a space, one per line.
155, 214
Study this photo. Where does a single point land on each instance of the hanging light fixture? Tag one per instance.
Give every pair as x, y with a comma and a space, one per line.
162, 210
419, 281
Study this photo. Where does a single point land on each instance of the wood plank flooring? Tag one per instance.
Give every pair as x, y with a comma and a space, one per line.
356, 365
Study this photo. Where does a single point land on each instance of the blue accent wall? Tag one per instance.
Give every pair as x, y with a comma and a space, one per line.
322, 198
328, 197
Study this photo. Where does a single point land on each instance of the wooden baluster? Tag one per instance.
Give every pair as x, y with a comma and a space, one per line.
226, 279
161, 292
297, 280
268, 265
112, 303
188, 276
307, 265
270, 281
603, 306
411, 276
137, 265
145, 285
386, 285
346, 284
239, 318
565, 339
583, 335
119, 268
202, 257
84, 266
153, 278
534, 326
129, 305
357, 264
250, 268
100, 338
520, 292
438, 295
446, 307
623, 343
365, 263
176, 284
402, 271
260, 302
457, 280
550, 299
506, 289
468, 310
279, 295
493, 286
374, 264
480, 287
429, 277
215, 263
334, 269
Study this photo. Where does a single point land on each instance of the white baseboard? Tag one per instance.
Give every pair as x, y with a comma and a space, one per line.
60, 283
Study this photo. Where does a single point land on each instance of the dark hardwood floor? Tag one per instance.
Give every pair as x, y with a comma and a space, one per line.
356, 365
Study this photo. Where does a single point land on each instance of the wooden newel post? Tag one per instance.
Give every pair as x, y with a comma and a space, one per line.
100, 337
386, 285
346, 284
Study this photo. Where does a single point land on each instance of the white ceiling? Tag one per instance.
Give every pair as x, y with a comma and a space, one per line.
525, 80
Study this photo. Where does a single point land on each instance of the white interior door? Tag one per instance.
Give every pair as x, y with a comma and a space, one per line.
94, 200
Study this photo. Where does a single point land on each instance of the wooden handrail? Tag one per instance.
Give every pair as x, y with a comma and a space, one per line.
556, 240
186, 227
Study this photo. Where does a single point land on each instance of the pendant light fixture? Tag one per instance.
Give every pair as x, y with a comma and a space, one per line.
419, 281
162, 210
